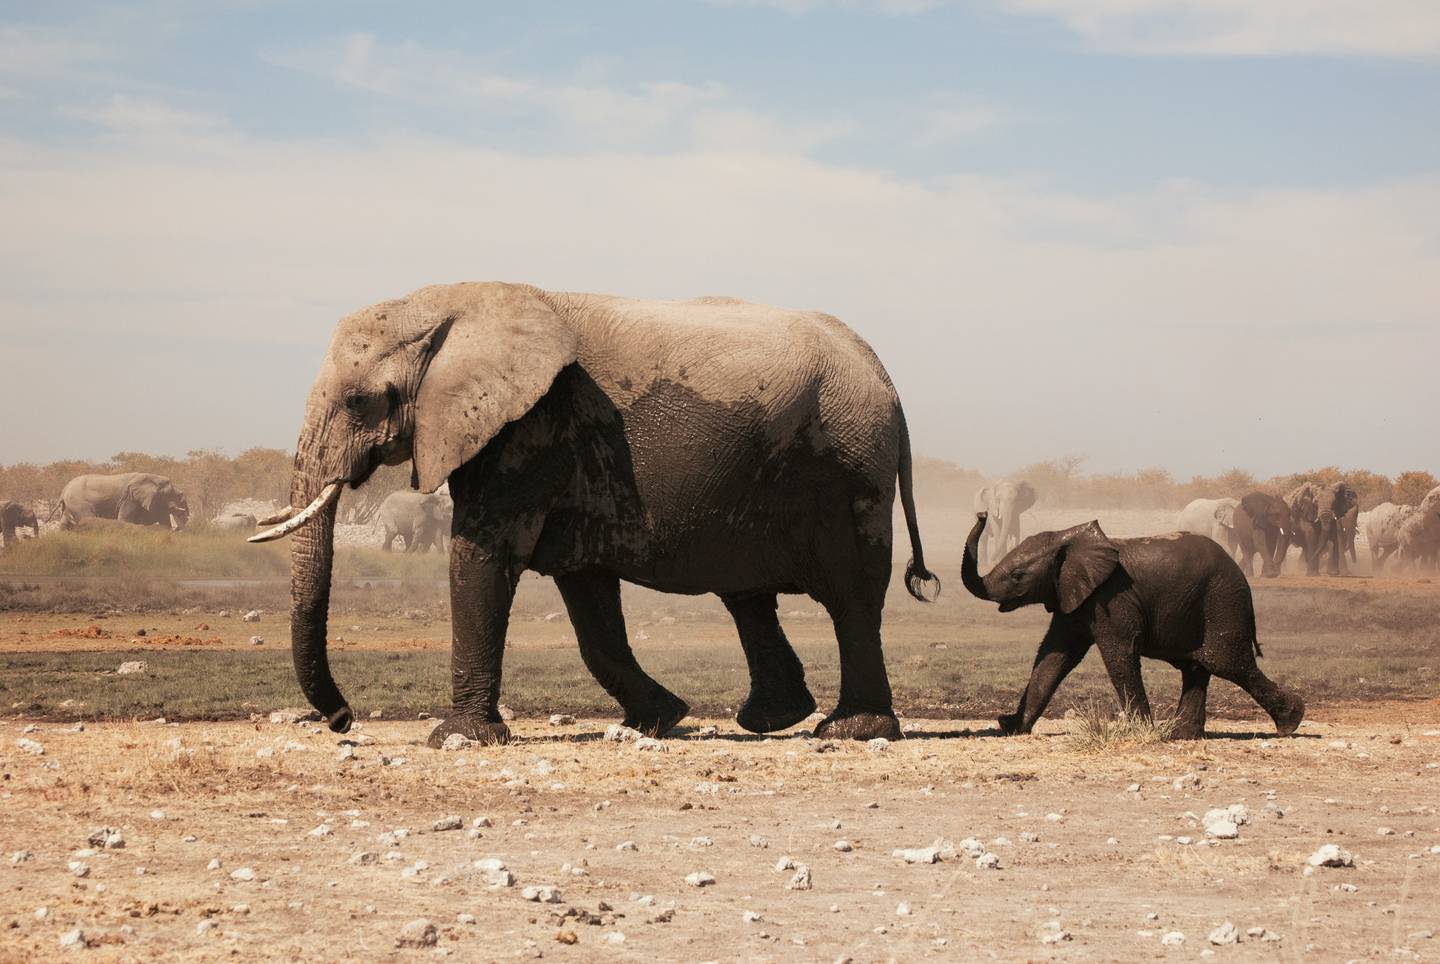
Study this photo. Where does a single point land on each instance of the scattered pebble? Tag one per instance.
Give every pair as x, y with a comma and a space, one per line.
700, 878
561, 719
129, 667
1173, 939
35, 749
1224, 934
243, 873
448, 823
843, 846
542, 895
801, 880
918, 855
1330, 855
420, 932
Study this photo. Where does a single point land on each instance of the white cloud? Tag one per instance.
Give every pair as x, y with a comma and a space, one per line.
145, 117
1160, 304
1397, 28
35, 53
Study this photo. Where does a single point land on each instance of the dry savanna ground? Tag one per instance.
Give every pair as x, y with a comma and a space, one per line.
268, 838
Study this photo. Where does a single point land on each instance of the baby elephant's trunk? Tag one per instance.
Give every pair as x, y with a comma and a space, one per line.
969, 568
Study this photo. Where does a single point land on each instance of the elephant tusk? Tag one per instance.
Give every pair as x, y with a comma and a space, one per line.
325, 499
279, 517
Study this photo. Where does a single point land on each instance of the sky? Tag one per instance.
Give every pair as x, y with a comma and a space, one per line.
1195, 234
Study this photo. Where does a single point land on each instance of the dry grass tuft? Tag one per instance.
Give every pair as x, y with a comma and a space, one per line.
1099, 729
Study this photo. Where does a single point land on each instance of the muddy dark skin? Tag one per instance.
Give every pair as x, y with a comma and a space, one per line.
743, 451
1262, 524
1178, 598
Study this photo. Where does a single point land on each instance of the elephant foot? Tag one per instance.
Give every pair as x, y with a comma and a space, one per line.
842, 725
1289, 720
658, 715
768, 712
1188, 731
471, 728
1011, 724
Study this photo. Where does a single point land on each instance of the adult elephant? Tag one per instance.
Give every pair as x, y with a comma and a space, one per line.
419, 519
13, 516
1003, 502
1211, 517
1382, 531
1262, 524
139, 498
691, 447
1315, 514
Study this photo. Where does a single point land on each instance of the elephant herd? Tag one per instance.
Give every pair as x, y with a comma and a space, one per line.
1320, 520
139, 498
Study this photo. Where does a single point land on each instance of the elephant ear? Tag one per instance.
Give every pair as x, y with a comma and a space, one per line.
1225, 514
1025, 498
143, 494
1087, 559
982, 500
495, 352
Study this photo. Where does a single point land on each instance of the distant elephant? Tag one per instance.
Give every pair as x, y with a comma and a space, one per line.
707, 446
1262, 524
135, 497
1349, 528
234, 522
1315, 514
1003, 502
1178, 598
1419, 540
16, 515
421, 520
1382, 531
1211, 517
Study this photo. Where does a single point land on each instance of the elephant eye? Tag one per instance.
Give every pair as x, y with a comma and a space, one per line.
356, 403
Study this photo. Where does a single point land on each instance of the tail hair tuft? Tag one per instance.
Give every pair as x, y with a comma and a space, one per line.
918, 579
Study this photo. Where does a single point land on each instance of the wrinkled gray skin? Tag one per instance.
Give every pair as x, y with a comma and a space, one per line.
1211, 517
240, 522
1315, 523
692, 447
1382, 531
1178, 598
16, 515
420, 520
1349, 529
135, 497
1002, 502
1262, 524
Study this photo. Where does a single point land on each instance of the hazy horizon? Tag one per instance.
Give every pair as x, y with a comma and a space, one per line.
1185, 233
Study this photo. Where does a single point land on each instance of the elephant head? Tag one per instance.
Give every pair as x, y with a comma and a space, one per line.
161, 501
1058, 570
431, 377
1317, 509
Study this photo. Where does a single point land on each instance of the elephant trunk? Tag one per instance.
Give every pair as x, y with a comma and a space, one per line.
312, 555
969, 567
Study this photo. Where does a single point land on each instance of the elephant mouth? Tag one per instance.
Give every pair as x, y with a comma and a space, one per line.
1009, 606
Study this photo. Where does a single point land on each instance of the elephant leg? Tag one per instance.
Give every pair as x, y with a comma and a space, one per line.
1336, 564
865, 709
1284, 707
1190, 712
1122, 663
1057, 656
593, 601
482, 587
389, 538
778, 696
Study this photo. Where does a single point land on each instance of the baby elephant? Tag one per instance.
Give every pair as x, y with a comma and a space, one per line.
1178, 597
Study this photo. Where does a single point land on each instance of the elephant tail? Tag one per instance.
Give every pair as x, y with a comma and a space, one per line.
1250, 621
917, 577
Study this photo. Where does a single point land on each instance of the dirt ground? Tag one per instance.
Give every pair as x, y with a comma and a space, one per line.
264, 841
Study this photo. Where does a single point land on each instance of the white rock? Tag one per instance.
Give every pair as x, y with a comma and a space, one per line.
1173, 939
420, 932
561, 719
1029, 836
324, 830
107, 838
1330, 855
785, 863
35, 749
616, 733
20, 857
918, 855
204, 927
130, 666
1054, 817
1186, 781
542, 894
1223, 830
253, 616
1055, 937
1384, 832
347, 753
1224, 934
41, 913
627, 845
971, 847
481, 822
843, 846
214, 864
706, 732
79, 869
902, 909
987, 861
614, 937
498, 878
257, 640
448, 823
756, 840
456, 741
700, 878
701, 842
243, 873
801, 880
651, 745
464, 918
1133, 788
488, 864
753, 917
73, 938
878, 745
364, 858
